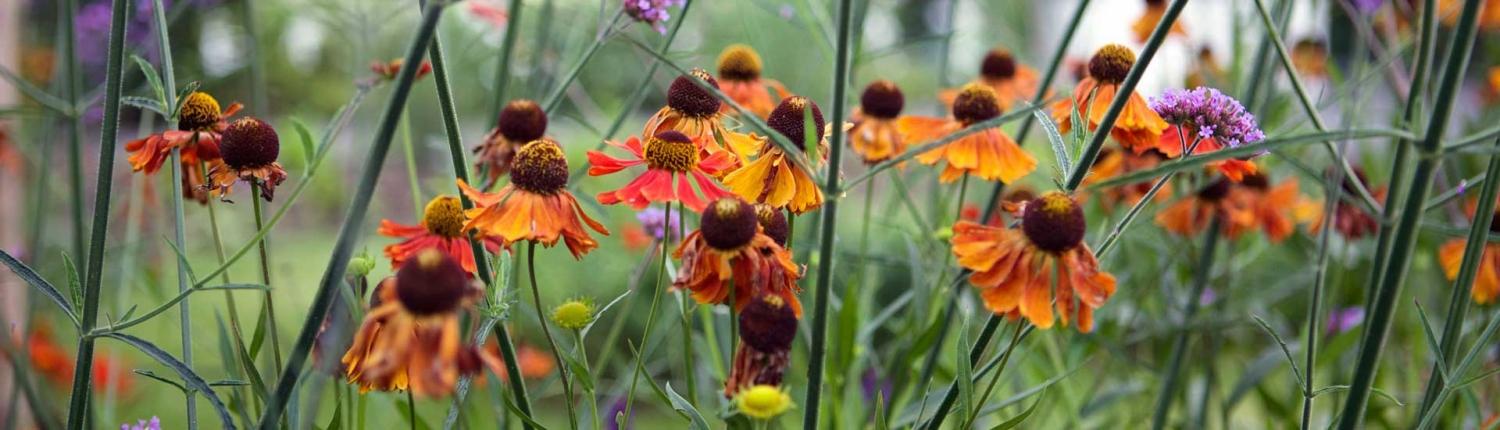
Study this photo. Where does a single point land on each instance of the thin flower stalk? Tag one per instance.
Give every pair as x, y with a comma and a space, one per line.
1427, 45
507, 49
352, 227
79, 399
267, 305
1202, 273
656, 293
554, 99
1388, 288
73, 80
1315, 294
541, 314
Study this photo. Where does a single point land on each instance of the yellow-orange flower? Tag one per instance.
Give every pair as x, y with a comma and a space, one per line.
989, 154
874, 135
740, 79
198, 131
1486, 286
442, 227
1012, 81
536, 206
1113, 163
731, 248
1310, 57
1138, 128
521, 121
1013, 267
772, 178
1191, 214
1150, 17
1350, 219
1172, 144
695, 112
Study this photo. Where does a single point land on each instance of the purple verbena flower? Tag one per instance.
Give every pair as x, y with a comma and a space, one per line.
1208, 297
615, 409
1344, 319
1210, 113
153, 424
652, 12
1368, 6
656, 224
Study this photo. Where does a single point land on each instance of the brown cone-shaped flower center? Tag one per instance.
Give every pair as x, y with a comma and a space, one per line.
789, 119
540, 168
433, 283
671, 150
444, 217
200, 112
1053, 222
768, 324
1256, 181
249, 143
882, 99
522, 121
728, 224
1495, 222
773, 221
998, 64
975, 102
739, 63
1155, 3
1215, 191
687, 97
1111, 63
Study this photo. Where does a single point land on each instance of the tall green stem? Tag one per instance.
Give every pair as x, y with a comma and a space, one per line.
353, 226
185, 320
1201, 276
72, 86
78, 402
268, 306
656, 293
1315, 295
1378, 322
541, 315
555, 99
507, 48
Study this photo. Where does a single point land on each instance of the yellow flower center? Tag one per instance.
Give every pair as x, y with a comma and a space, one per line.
671, 150
200, 112
739, 63
573, 315
540, 167
1053, 222
444, 217
763, 402
1111, 63
975, 102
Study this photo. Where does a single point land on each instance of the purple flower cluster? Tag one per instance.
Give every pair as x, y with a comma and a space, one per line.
154, 424
653, 12
1345, 319
92, 31
656, 224
1211, 113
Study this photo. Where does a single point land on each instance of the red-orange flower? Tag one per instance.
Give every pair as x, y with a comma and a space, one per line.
1486, 286
1191, 214
389, 69
1350, 219
536, 206
442, 227
1013, 82
1014, 267
989, 154
1150, 17
1113, 163
740, 79
731, 248
521, 121
199, 125
874, 135
1138, 128
697, 113
55, 363
1171, 144
668, 156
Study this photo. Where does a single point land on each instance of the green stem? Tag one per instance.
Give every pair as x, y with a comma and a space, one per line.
656, 293
411, 165
1114, 235
1315, 295
690, 368
78, 400
252, 59
541, 315
555, 99
265, 274
1201, 276
583, 357
1015, 339
1378, 322
235, 330
507, 48
185, 319
353, 226
829, 221
411, 408
72, 85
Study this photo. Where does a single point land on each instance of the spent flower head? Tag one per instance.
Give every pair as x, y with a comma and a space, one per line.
1212, 113
652, 12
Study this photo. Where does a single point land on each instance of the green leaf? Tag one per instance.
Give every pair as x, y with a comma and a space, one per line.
1297, 374
152, 78
191, 380
516, 412
145, 104
602, 310
1341, 388
37, 93
1432, 342
810, 136
182, 94
1482, 376
880, 423
308, 152
36, 281
695, 420
965, 374
580, 371
1018, 419
1060, 154
75, 287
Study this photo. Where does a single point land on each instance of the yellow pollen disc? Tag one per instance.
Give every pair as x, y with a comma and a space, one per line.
763, 401
1056, 203
444, 216
200, 111
671, 155
573, 314
774, 301
979, 92
1111, 63
739, 62
429, 258
726, 208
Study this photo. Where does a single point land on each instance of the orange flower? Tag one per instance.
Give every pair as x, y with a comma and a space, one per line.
772, 178
1350, 219
731, 248
1489, 16
1113, 163
1487, 281
521, 121
1013, 82
1270, 207
1138, 128
695, 112
1150, 17
874, 135
767, 328
989, 154
198, 131
389, 69
249, 148
442, 227
410, 339
1191, 214
52, 361
536, 206
1013, 267
740, 79
1310, 57
534, 363
1172, 144
667, 156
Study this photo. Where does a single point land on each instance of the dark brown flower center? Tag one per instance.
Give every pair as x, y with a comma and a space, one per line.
540, 168
687, 97
1111, 63
728, 224
671, 150
249, 143
522, 121
1053, 222
200, 112
1256, 181
882, 99
1215, 190
768, 324
739, 63
1495, 222
975, 103
998, 64
789, 119
773, 221
444, 217
432, 283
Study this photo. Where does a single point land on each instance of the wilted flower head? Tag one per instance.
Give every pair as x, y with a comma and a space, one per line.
153, 424
1212, 113
657, 224
653, 12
